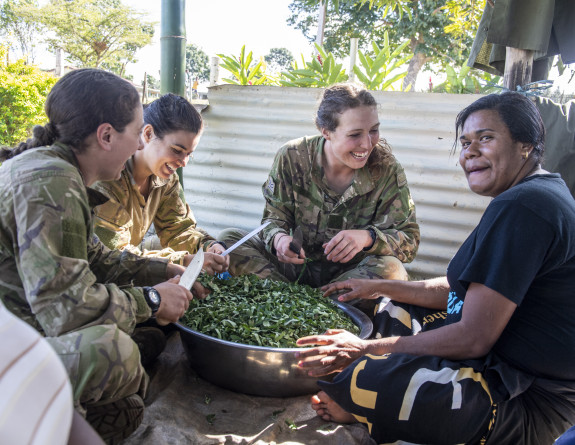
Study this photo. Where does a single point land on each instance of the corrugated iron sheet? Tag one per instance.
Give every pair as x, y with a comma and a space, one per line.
246, 125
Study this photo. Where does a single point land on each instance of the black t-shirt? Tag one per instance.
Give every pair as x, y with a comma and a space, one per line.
524, 248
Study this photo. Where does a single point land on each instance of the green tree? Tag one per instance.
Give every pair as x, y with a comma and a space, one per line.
279, 59
23, 91
152, 82
423, 22
97, 33
197, 63
20, 27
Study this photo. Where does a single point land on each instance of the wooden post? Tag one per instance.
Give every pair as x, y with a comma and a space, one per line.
145, 89
214, 70
518, 67
321, 22
59, 71
353, 44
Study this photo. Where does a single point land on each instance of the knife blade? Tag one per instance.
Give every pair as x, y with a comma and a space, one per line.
245, 238
296, 243
193, 270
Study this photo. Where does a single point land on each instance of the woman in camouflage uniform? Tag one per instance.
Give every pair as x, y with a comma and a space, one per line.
345, 191
54, 272
149, 191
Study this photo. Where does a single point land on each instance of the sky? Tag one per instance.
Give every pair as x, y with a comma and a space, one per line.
223, 27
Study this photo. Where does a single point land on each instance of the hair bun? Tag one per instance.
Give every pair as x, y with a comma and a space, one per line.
45, 135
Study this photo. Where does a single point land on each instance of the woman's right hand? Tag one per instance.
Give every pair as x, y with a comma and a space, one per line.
333, 351
284, 253
174, 303
354, 288
213, 262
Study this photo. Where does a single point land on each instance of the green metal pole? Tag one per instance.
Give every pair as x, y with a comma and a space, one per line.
173, 52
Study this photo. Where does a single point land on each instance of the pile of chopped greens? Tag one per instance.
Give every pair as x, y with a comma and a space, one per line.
261, 312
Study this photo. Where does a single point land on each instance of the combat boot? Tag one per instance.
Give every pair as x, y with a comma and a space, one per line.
117, 420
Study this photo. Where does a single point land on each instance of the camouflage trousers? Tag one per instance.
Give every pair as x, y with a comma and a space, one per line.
253, 258
103, 364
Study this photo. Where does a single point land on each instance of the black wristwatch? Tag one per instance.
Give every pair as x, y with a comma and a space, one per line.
373, 238
153, 298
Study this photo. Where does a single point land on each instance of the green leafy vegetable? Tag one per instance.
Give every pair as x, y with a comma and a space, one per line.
253, 311
291, 424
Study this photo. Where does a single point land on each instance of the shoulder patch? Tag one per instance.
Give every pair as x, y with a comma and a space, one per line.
271, 185
401, 179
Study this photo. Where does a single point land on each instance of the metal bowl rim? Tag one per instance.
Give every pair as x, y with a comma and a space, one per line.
344, 307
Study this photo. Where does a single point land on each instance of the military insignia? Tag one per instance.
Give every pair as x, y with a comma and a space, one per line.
271, 185
401, 179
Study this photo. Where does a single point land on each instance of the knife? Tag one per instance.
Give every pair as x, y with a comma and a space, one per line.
245, 238
193, 270
296, 243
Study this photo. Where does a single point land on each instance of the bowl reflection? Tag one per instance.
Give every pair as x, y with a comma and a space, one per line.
256, 370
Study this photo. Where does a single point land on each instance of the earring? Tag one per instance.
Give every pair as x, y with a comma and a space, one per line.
525, 155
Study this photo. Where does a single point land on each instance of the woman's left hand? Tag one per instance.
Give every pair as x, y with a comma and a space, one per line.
347, 244
338, 348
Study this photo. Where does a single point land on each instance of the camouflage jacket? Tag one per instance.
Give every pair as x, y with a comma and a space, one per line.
297, 195
54, 272
122, 222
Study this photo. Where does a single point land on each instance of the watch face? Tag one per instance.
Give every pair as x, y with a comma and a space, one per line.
154, 296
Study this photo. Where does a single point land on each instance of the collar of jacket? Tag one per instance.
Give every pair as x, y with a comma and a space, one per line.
95, 198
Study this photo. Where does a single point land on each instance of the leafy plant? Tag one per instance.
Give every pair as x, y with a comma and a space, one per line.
253, 311
244, 69
456, 83
376, 72
422, 22
465, 82
322, 71
23, 91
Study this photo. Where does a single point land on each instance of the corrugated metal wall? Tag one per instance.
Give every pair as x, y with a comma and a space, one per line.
245, 126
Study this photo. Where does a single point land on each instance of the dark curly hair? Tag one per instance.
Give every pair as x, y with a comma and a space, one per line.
171, 113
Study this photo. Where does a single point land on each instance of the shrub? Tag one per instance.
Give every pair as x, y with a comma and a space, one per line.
23, 91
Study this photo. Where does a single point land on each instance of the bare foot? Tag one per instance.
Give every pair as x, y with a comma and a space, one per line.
327, 409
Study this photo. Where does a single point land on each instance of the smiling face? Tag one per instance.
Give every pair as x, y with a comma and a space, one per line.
162, 157
491, 160
351, 143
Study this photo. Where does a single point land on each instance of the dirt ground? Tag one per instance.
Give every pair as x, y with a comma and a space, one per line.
182, 408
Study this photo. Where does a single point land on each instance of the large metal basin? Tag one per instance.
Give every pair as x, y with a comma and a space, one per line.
256, 370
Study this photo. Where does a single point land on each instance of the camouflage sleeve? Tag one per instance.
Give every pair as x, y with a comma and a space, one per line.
53, 220
175, 223
113, 225
279, 196
394, 222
